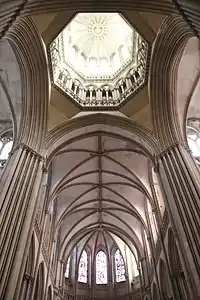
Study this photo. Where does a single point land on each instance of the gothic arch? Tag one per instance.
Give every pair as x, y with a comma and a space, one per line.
113, 256
102, 250
64, 133
73, 132
167, 51
189, 85
85, 254
29, 50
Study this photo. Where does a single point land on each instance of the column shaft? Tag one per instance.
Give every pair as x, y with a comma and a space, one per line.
181, 182
18, 205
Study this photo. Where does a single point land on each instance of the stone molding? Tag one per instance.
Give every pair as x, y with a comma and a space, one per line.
189, 11
56, 135
30, 53
180, 179
167, 52
22, 176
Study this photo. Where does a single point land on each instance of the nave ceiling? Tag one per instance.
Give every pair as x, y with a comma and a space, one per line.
100, 183
100, 188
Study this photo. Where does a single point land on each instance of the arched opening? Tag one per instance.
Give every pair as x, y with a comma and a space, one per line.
83, 268
100, 203
98, 184
101, 268
119, 267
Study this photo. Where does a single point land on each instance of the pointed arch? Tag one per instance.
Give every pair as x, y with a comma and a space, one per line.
65, 133
28, 47
83, 267
167, 52
119, 266
29, 50
101, 268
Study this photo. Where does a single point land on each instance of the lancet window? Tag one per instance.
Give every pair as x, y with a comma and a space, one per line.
193, 139
83, 268
101, 268
6, 144
119, 267
67, 268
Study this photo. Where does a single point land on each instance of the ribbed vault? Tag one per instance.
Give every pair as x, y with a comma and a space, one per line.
100, 187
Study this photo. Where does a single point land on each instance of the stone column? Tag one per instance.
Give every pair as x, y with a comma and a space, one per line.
26, 289
180, 179
18, 196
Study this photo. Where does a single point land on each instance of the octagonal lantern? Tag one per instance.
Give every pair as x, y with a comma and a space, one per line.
98, 60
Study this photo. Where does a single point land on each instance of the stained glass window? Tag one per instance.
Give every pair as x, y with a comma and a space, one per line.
83, 267
5, 148
101, 268
67, 268
193, 139
119, 267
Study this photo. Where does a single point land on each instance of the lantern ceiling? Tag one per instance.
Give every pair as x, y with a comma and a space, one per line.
98, 60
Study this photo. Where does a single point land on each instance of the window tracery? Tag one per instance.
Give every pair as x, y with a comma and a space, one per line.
6, 144
119, 267
101, 268
83, 268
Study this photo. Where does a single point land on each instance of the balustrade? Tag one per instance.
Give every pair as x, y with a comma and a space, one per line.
106, 95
